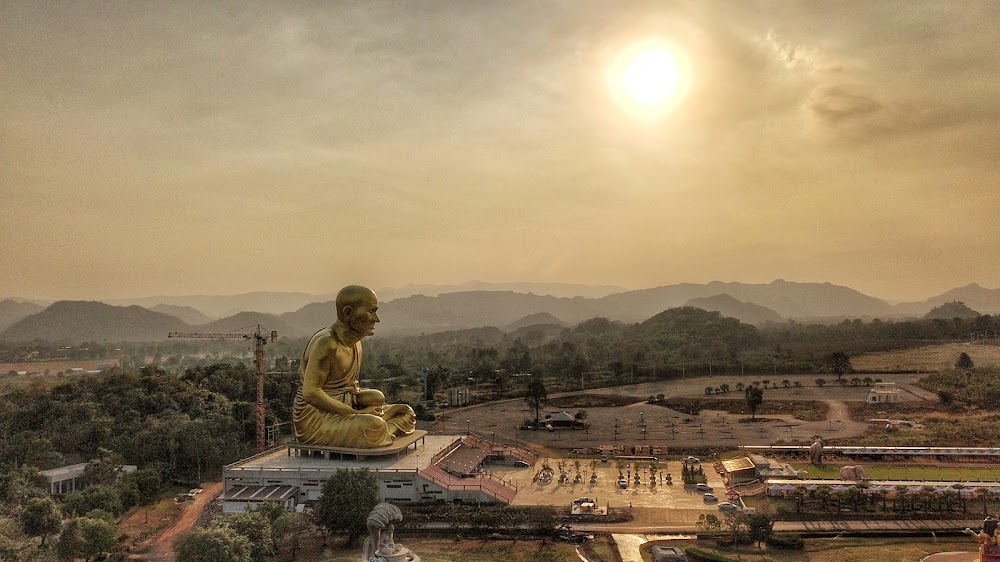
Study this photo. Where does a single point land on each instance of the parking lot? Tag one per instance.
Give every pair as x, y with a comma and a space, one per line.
684, 503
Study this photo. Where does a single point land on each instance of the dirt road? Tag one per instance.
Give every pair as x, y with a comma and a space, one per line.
161, 548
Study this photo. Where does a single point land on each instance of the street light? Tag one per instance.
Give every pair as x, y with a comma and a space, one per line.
468, 427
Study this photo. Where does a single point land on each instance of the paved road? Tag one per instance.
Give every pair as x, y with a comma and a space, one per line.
952, 557
634, 527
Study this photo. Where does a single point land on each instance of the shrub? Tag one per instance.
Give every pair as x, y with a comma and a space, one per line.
786, 542
706, 555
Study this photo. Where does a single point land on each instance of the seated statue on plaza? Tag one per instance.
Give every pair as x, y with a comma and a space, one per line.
330, 406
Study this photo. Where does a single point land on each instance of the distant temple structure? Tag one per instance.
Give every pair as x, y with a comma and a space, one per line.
883, 392
418, 468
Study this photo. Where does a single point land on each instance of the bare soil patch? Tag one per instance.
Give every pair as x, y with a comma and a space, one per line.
801, 410
591, 401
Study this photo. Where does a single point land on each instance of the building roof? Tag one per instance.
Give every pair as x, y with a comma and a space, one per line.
260, 493
75, 471
736, 465
280, 459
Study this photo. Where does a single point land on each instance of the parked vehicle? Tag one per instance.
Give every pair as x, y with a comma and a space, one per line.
728, 506
691, 460
703, 488
709, 498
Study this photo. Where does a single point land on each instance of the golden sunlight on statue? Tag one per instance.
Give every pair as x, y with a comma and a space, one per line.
331, 408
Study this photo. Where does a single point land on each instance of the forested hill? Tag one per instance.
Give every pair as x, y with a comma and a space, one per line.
733, 308
949, 310
93, 321
976, 297
246, 322
12, 311
189, 425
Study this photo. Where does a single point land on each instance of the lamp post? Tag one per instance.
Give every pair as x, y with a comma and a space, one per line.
468, 427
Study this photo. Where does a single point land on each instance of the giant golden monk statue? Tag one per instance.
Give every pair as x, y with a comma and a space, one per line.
330, 407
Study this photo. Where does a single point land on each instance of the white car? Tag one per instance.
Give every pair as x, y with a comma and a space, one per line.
691, 460
703, 488
622, 483
728, 506
710, 498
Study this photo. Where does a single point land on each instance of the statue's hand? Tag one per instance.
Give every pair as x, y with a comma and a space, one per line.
374, 410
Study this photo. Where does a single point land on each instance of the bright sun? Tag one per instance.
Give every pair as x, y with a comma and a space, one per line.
649, 77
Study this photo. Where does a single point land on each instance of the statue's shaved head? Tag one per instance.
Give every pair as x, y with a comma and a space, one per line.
352, 296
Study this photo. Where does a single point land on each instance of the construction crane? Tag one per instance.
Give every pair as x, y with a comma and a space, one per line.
260, 340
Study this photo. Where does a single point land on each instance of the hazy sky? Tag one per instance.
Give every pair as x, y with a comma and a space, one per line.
202, 147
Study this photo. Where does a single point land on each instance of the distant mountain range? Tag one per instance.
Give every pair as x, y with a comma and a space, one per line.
549, 289
219, 306
81, 321
186, 313
11, 311
541, 315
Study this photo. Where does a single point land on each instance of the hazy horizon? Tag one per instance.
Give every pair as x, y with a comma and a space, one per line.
189, 148
393, 292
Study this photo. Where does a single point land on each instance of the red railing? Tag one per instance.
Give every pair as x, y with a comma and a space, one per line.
483, 482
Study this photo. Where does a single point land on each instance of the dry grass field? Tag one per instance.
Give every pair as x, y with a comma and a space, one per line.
927, 358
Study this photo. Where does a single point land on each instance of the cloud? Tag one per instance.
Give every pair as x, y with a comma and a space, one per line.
853, 111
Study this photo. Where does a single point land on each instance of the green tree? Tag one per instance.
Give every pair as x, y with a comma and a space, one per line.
754, 398
535, 394
102, 497
759, 527
348, 497
105, 469
735, 524
257, 529
964, 361
87, 538
288, 531
839, 363
41, 518
217, 544
141, 488
708, 523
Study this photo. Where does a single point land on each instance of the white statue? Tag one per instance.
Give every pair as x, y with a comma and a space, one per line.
380, 546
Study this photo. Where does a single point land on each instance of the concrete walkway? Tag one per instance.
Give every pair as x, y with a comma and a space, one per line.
630, 546
952, 557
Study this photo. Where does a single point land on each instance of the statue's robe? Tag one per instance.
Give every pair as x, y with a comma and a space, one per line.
358, 431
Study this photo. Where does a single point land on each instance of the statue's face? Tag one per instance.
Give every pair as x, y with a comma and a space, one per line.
364, 316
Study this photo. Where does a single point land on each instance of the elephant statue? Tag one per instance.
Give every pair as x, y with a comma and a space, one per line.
816, 452
856, 473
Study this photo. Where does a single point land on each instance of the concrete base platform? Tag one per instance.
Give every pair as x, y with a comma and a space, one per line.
400, 445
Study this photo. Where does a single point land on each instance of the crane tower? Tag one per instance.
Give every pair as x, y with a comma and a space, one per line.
259, 338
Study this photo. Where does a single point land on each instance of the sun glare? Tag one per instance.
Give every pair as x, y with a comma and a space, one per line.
650, 78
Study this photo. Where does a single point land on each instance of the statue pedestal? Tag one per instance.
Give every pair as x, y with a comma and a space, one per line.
401, 554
